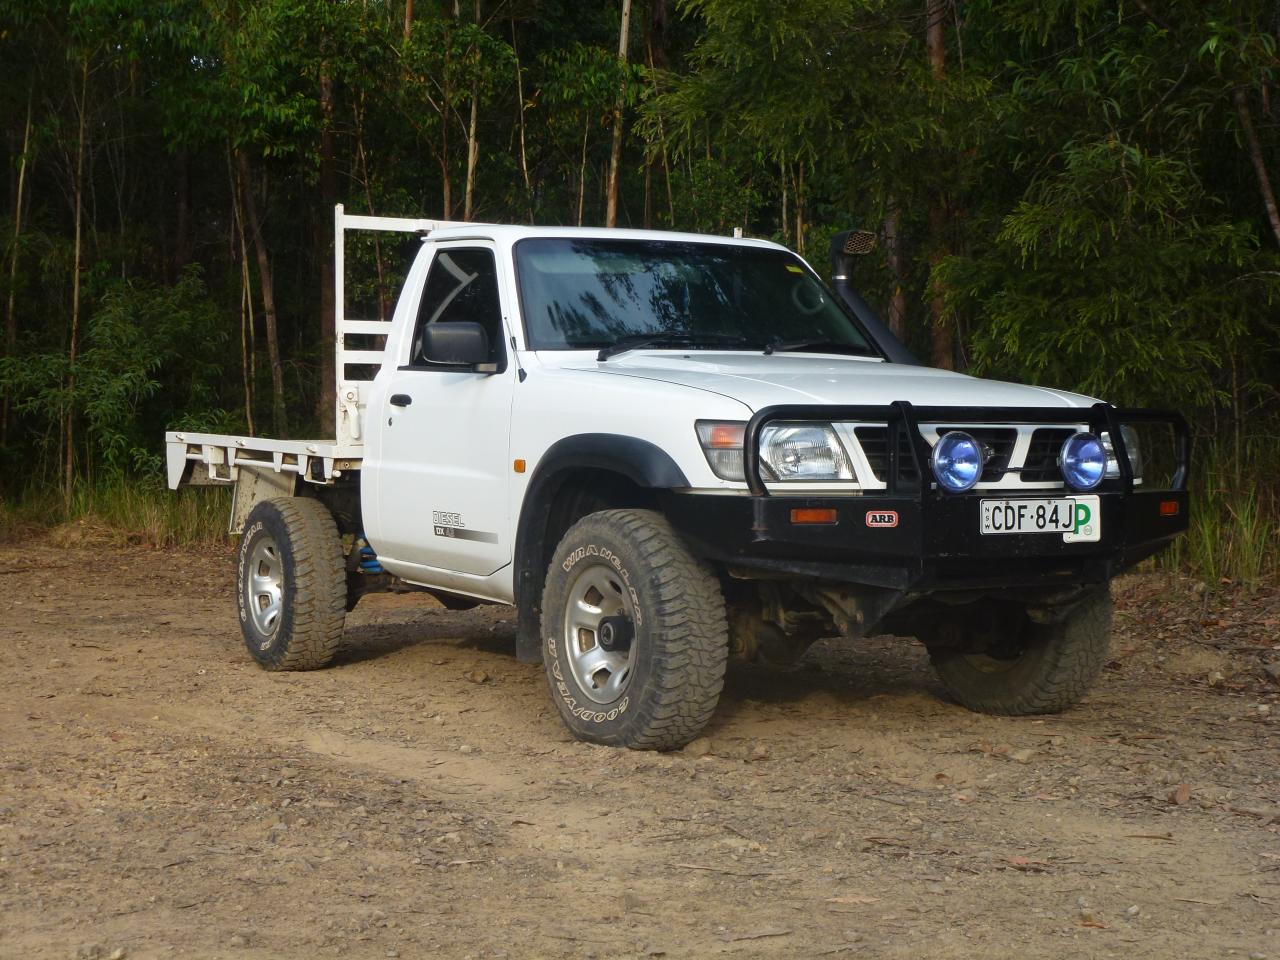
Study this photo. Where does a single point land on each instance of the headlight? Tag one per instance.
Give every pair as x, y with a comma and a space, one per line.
788, 451
1083, 461
957, 461
804, 451
1132, 446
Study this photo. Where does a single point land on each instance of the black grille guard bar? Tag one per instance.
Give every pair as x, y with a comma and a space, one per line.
901, 416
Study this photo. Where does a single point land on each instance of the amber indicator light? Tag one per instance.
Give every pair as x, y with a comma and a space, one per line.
1168, 508
726, 435
813, 515
519, 466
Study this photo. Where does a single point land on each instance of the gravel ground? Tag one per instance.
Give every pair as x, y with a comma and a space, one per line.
162, 796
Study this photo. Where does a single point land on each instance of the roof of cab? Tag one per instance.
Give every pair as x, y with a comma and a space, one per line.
508, 234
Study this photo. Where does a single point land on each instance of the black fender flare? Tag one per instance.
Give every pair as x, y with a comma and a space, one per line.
643, 463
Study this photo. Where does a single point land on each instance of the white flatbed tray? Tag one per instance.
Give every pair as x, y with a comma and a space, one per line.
217, 458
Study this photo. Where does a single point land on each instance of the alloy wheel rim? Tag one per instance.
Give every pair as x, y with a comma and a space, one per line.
264, 589
599, 616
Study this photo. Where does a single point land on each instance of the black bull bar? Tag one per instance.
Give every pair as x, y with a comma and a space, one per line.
934, 541
902, 418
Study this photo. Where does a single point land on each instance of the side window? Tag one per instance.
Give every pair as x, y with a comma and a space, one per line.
461, 285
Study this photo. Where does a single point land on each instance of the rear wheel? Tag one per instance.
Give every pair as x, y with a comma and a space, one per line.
291, 583
634, 633
1014, 666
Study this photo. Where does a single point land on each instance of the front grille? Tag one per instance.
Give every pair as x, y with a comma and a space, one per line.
875, 445
1041, 465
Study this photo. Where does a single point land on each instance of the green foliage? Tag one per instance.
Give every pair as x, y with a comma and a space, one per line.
715, 198
1104, 276
1126, 255
1079, 184
126, 384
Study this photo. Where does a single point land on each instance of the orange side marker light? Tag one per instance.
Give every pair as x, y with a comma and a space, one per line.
1169, 508
813, 515
519, 466
727, 435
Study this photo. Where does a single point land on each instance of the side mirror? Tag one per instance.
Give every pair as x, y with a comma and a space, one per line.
461, 343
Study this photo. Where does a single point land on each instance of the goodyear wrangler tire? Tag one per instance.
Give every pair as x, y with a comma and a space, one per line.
291, 584
1043, 667
634, 635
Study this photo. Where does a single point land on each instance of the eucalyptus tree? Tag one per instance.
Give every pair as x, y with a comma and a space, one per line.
579, 88
448, 62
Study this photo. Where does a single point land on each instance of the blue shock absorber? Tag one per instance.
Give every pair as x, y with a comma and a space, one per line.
369, 559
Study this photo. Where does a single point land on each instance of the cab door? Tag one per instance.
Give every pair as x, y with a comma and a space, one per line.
444, 431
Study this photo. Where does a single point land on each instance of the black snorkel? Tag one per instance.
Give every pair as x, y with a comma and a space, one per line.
844, 247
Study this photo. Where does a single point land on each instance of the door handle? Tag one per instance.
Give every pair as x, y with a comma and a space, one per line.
401, 399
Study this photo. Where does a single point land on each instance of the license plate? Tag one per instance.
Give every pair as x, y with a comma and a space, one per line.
1077, 519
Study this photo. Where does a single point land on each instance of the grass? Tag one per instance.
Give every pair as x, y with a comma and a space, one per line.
139, 512
1234, 534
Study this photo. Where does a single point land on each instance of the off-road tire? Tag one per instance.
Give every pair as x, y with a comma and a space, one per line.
1058, 664
295, 545
679, 632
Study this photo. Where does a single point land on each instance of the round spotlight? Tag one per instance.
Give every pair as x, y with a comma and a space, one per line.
957, 461
1083, 461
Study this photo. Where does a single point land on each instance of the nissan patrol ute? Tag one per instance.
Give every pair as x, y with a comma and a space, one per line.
669, 449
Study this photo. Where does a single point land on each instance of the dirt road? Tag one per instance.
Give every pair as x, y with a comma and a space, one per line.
162, 796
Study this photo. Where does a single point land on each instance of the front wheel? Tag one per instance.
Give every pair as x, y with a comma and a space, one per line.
635, 638
1015, 667
292, 584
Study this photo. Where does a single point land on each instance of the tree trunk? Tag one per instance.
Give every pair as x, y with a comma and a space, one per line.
941, 332
786, 221
68, 433
408, 18
473, 145
384, 304
656, 53
11, 316
182, 243
240, 251
800, 207
446, 112
326, 400
893, 254
524, 156
278, 420
657, 39
582, 173
942, 354
1259, 163
615, 153
648, 195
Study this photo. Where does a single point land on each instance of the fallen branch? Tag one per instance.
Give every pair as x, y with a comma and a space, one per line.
1270, 816
730, 873
756, 935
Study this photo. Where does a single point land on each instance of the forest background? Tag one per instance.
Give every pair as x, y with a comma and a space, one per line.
1071, 192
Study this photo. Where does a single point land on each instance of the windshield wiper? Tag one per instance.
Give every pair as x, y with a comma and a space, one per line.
778, 345
640, 340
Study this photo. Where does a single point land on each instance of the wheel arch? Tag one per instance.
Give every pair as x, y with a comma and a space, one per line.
576, 476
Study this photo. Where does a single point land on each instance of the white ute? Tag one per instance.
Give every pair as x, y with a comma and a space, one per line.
666, 449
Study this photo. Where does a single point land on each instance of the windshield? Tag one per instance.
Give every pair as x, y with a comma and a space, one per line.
580, 294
